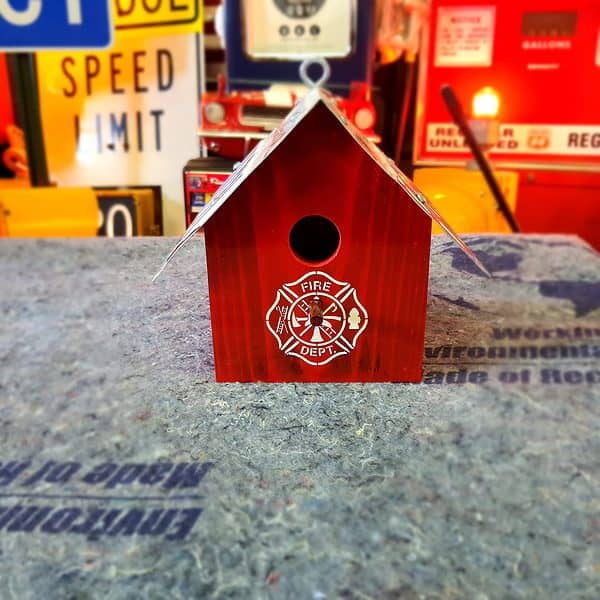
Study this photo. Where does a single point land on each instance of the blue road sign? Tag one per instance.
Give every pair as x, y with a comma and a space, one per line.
29, 25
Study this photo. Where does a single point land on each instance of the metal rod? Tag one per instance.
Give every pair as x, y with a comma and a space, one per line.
409, 81
483, 163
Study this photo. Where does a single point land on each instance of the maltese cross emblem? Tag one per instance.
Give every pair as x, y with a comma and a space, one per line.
316, 318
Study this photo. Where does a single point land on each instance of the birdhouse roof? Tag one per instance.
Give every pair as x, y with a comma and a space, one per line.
268, 145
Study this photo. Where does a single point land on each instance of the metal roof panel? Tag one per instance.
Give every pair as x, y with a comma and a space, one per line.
267, 146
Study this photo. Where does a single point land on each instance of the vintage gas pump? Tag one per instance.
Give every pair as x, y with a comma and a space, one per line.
277, 35
267, 42
543, 59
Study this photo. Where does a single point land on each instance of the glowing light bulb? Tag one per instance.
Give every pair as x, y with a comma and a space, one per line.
486, 103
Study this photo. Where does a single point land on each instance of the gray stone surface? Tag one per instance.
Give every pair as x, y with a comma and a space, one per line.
484, 489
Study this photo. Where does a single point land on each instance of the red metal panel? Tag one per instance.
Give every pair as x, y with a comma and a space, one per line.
383, 254
555, 202
6, 111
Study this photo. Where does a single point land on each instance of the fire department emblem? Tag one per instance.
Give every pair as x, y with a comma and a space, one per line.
316, 318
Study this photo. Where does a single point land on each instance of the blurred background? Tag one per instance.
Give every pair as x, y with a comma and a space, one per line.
123, 118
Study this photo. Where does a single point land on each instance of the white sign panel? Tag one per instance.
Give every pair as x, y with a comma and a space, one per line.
464, 36
127, 116
564, 140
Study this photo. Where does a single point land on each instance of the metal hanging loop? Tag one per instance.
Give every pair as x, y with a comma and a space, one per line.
307, 79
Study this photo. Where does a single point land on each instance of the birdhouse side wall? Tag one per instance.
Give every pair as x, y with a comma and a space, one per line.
257, 281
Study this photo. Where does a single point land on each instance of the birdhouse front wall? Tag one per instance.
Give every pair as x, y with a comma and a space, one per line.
282, 313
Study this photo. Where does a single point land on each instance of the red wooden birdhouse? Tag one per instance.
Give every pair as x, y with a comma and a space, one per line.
317, 250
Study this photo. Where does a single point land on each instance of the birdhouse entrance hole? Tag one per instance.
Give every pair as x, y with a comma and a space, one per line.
314, 239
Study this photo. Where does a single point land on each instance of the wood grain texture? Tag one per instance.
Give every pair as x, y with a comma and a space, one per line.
384, 253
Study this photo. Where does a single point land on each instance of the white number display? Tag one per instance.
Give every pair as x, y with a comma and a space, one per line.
109, 220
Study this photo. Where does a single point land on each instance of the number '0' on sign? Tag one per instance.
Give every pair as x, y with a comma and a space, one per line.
30, 13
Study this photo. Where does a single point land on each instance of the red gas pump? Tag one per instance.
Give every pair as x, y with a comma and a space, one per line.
543, 59
267, 40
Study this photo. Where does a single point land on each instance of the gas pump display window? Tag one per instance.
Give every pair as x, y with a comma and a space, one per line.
549, 24
299, 9
297, 29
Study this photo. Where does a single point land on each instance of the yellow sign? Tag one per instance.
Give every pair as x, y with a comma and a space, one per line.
157, 17
50, 212
127, 116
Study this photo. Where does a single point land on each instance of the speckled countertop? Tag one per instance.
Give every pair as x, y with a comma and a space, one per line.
126, 472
